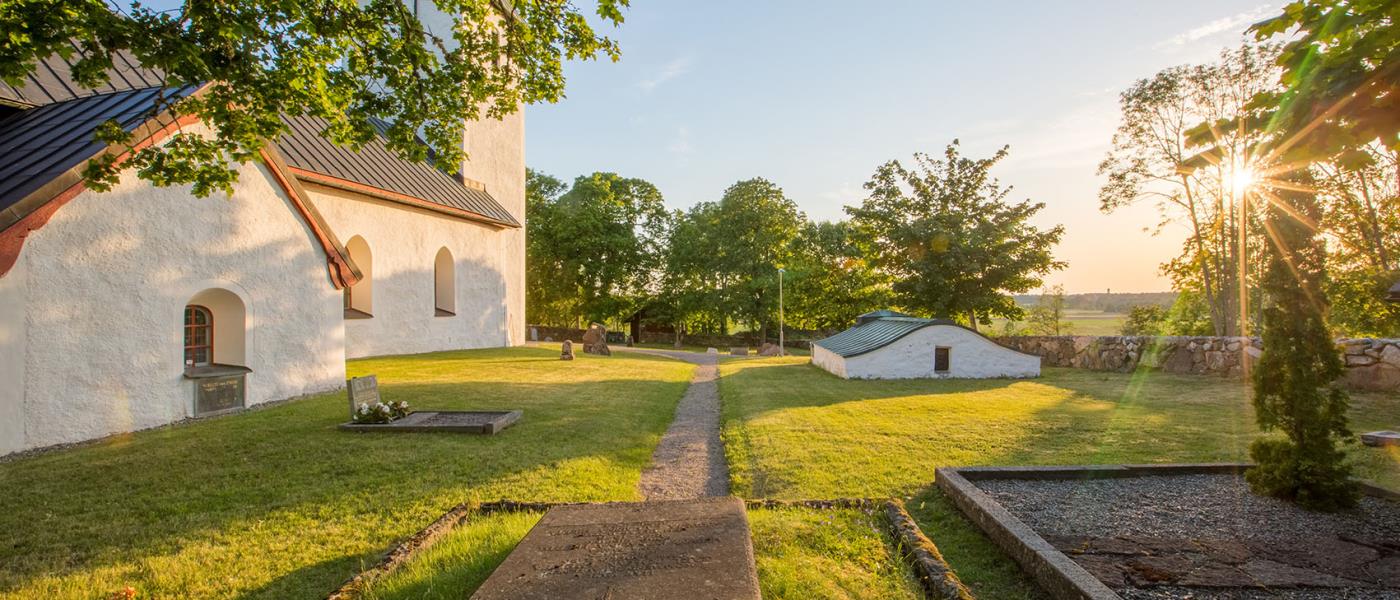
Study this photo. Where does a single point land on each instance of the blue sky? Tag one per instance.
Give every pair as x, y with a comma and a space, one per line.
815, 95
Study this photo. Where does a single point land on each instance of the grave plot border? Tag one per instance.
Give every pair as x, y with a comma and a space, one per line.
1051, 569
935, 575
502, 420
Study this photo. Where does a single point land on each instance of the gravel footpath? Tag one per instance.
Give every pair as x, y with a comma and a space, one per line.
689, 460
1180, 506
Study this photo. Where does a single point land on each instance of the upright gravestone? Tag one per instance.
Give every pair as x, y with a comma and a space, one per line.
595, 340
678, 549
362, 390
567, 351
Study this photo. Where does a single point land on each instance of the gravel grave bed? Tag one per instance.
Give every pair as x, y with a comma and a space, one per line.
1209, 537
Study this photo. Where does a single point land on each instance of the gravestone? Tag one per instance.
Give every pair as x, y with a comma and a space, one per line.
714, 351
214, 395
656, 550
1381, 438
595, 340
534, 334
567, 351
362, 390
770, 349
739, 350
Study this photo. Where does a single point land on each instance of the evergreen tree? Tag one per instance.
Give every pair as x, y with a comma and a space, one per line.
1293, 391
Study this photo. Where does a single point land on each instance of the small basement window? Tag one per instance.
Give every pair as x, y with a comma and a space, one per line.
940, 359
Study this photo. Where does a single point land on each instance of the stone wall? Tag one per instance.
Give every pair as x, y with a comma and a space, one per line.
1372, 364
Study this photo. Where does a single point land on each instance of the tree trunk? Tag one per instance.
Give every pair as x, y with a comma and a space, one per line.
972, 318
679, 331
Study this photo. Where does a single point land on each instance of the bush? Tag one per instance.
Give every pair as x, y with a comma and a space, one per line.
1145, 320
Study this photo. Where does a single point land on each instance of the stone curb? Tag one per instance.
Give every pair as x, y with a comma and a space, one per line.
1051, 569
937, 577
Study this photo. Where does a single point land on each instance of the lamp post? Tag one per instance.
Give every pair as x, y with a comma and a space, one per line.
782, 350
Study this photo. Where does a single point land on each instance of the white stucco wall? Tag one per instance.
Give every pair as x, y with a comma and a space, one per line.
972, 356
404, 244
496, 158
102, 290
829, 360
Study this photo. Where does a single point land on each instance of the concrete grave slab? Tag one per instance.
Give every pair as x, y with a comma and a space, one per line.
692, 549
452, 421
1381, 438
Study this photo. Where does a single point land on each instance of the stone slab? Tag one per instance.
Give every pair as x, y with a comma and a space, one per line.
1381, 438
693, 549
483, 422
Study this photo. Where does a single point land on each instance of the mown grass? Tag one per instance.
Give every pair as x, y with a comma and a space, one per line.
804, 553
277, 503
794, 431
458, 562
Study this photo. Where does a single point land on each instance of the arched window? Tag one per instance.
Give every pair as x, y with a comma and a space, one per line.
444, 284
215, 323
199, 336
359, 298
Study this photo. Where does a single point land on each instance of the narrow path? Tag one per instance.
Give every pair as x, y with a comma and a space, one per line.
689, 461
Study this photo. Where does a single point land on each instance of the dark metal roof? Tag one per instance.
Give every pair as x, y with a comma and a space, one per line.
305, 148
877, 333
878, 314
1394, 295
52, 81
40, 144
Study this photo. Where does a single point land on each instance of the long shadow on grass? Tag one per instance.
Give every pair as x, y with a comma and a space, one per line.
284, 480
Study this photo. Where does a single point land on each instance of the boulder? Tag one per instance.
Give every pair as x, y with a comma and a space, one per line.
595, 340
1391, 355
770, 349
739, 351
1374, 377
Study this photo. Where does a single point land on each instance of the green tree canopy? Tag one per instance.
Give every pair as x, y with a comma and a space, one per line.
351, 63
1341, 78
944, 232
829, 282
598, 248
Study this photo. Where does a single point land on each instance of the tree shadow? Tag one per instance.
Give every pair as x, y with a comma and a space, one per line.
283, 482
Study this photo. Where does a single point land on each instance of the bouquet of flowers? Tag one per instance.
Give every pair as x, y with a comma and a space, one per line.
381, 413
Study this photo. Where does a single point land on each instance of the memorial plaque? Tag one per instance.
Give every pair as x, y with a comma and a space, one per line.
218, 394
362, 390
656, 550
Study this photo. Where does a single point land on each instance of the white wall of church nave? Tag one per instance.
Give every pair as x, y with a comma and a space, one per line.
104, 285
403, 244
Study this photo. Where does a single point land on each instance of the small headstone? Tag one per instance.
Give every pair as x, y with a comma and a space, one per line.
659, 550
362, 390
1381, 438
567, 352
534, 334
739, 351
712, 351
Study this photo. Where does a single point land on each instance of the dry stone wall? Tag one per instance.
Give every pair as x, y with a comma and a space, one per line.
1371, 364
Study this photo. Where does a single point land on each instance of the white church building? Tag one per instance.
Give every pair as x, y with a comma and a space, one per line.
889, 345
145, 305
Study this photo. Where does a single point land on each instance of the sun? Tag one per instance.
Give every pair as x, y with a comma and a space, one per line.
1241, 179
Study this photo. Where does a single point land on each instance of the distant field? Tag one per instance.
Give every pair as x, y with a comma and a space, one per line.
1081, 322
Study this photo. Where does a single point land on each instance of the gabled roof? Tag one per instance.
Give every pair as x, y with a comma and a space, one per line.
319, 160
1394, 294
52, 81
40, 144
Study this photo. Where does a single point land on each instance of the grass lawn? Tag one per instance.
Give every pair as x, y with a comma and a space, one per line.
794, 431
277, 503
1081, 322
722, 351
